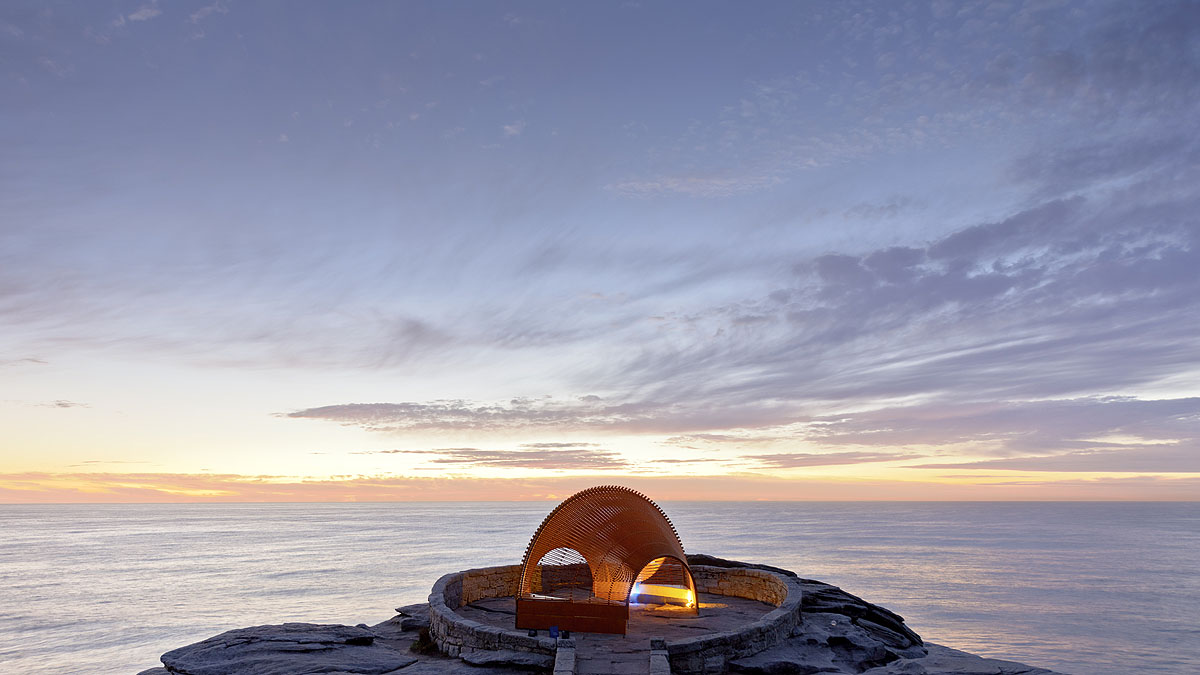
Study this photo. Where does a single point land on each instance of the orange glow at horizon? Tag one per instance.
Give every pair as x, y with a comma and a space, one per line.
43, 488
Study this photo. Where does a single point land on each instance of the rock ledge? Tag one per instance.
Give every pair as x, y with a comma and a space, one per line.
839, 633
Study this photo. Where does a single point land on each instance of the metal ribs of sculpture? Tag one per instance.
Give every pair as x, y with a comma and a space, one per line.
592, 553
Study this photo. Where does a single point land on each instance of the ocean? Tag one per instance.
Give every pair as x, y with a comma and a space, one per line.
1084, 588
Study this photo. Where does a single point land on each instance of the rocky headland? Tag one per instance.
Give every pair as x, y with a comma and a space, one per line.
839, 633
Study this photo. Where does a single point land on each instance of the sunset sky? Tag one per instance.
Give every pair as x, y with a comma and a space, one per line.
300, 251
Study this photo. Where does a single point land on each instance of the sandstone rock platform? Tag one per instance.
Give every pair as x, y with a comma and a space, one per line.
839, 633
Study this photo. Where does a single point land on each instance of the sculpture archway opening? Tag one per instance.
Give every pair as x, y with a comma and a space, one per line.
664, 581
563, 574
595, 553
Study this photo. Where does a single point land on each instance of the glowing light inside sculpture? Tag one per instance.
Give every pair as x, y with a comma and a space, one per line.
685, 595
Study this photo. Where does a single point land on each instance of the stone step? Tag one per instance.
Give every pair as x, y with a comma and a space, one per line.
612, 664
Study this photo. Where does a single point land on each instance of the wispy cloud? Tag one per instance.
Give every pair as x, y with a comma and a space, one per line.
792, 460
1171, 459
145, 12
56, 67
1019, 428
29, 361
514, 129
911, 83
1033, 313
573, 459
468, 415
723, 439
696, 186
64, 404
94, 462
550, 414
202, 13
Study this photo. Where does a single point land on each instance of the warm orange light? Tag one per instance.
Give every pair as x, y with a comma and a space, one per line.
674, 592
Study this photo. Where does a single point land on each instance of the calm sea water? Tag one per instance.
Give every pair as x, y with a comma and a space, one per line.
1085, 588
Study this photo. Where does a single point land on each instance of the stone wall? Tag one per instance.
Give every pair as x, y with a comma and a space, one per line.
703, 655
708, 654
456, 635
739, 582
489, 582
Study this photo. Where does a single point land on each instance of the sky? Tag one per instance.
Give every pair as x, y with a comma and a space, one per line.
315, 251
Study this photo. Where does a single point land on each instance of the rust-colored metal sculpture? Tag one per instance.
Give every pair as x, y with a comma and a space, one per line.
592, 553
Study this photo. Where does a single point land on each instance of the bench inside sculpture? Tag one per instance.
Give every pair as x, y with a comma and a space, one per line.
597, 552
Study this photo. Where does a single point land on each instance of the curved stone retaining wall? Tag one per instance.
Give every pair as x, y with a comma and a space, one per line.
742, 582
708, 654
456, 635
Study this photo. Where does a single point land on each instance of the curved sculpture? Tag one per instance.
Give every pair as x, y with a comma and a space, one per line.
591, 553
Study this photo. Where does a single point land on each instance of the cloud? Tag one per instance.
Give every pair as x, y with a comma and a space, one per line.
1059, 169
13, 363
548, 456
691, 440
1043, 312
549, 414
1058, 299
905, 83
568, 460
792, 460
64, 404
514, 129
55, 67
92, 462
145, 12
200, 14
468, 415
1010, 428
695, 186
1171, 459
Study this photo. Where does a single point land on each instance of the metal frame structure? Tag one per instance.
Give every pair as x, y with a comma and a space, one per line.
592, 553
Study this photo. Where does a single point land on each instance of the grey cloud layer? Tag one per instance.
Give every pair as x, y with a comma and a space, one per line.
556, 458
1034, 319
466, 415
1146, 460
792, 460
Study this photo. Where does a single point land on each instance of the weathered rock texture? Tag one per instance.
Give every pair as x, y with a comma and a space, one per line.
287, 649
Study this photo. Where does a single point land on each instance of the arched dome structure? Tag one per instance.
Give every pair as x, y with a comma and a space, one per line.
592, 553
